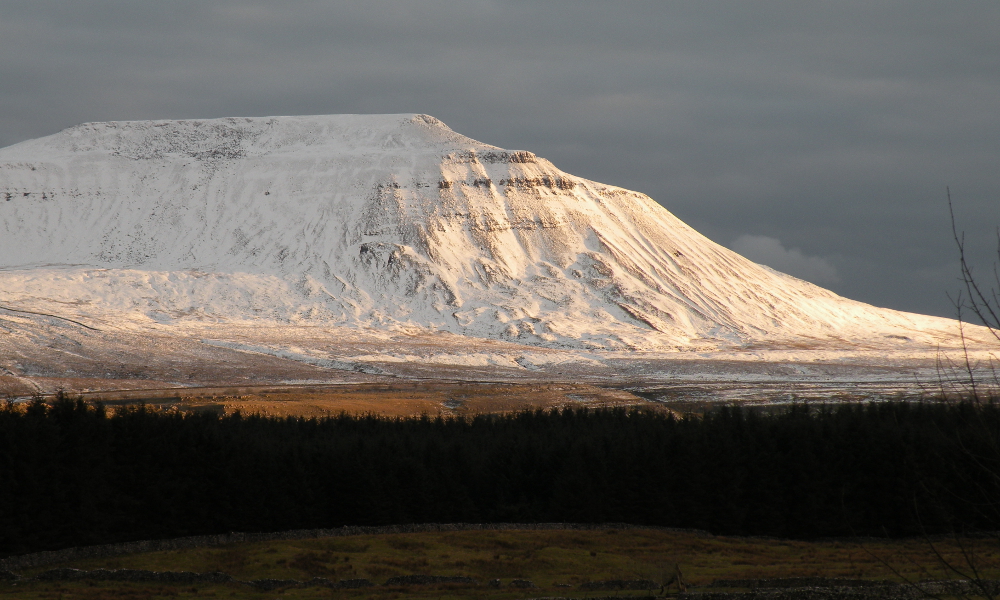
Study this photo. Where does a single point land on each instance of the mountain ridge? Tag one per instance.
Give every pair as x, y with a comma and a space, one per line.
386, 221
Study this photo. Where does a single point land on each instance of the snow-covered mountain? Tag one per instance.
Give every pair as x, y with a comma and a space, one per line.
386, 221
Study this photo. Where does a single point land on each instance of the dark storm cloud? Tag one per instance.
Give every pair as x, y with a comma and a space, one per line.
831, 128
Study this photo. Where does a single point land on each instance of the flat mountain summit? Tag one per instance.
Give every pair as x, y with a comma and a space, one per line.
384, 223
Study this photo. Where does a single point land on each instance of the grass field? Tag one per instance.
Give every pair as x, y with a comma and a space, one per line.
558, 562
397, 399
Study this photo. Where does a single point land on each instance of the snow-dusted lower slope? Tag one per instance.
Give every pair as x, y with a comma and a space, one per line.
384, 221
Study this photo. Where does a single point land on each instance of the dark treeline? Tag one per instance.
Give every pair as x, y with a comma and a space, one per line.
71, 474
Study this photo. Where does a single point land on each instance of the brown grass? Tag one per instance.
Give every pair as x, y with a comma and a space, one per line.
548, 558
403, 399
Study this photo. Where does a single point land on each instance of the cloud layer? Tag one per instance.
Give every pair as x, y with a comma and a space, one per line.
769, 251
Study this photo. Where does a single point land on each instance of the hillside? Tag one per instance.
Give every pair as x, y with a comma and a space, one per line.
385, 222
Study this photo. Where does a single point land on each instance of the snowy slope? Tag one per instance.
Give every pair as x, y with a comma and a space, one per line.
384, 221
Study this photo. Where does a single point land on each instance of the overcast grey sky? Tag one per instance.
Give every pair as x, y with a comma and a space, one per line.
815, 137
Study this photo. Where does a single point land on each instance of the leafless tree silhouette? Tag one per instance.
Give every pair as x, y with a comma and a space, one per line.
977, 384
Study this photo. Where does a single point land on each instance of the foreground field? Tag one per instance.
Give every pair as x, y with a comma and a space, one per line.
557, 562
